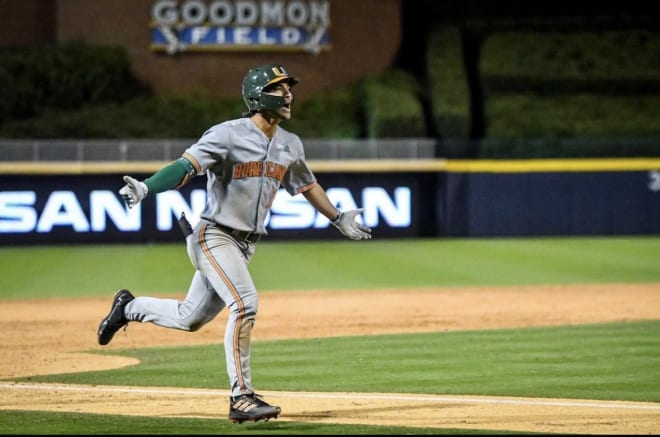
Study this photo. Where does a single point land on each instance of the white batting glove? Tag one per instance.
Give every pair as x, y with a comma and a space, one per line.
133, 192
349, 226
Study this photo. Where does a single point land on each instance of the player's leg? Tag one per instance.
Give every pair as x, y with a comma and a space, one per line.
224, 261
199, 307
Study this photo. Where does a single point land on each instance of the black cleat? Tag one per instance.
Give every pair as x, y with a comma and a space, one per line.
251, 407
115, 319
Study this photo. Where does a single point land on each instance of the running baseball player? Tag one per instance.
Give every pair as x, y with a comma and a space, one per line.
245, 161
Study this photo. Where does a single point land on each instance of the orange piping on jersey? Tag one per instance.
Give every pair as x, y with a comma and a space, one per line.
183, 182
237, 298
306, 187
193, 161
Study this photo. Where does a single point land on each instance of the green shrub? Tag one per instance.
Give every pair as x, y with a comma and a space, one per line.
329, 115
569, 85
392, 106
335, 113
584, 147
65, 77
630, 54
573, 116
450, 94
144, 117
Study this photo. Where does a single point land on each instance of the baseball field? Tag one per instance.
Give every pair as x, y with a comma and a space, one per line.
424, 336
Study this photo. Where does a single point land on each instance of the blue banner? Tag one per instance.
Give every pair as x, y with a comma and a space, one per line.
207, 38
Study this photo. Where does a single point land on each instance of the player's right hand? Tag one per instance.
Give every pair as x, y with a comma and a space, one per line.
133, 192
349, 226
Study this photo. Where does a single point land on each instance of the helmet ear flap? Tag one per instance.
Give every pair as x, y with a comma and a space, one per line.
266, 101
253, 102
269, 101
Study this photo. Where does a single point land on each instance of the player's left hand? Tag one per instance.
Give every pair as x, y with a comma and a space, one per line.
133, 192
350, 227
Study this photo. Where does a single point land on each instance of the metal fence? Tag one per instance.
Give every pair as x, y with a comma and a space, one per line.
170, 149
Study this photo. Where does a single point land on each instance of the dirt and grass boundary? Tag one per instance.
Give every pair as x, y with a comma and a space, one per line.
50, 336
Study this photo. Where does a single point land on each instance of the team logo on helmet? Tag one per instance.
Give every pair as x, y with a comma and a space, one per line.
278, 70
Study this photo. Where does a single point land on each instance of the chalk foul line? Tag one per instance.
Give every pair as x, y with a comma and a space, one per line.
627, 405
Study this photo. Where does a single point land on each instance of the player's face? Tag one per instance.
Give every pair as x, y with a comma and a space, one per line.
282, 89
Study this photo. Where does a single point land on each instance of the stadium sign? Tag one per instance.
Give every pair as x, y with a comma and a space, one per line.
224, 25
19, 214
76, 209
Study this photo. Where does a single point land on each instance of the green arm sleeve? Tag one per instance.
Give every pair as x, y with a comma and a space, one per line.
171, 176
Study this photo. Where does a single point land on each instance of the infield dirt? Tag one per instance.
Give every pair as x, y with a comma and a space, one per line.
51, 336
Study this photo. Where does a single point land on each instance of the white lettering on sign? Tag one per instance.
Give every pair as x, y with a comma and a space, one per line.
193, 12
654, 180
19, 212
395, 212
16, 211
104, 204
290, 213
242, 35
170, 205
198, 34
165, 12
272, 14
203, 25
291, 36
246, 13
264, 39
312, 13
62, 209
295, 212
221, 13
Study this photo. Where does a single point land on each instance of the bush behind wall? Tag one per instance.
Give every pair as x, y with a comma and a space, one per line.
545, 95
64, 77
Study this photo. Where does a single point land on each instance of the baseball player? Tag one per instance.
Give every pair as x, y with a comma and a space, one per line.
245, 161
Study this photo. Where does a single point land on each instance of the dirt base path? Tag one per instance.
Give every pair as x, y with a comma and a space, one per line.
50, 336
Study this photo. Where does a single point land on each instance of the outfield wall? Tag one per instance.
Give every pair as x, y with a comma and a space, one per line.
552, 198
45, 203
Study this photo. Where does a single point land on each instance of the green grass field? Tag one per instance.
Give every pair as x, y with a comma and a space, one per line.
612, 361
99, 270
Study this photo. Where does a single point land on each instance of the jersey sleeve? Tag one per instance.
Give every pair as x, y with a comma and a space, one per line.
299, 177
210, 149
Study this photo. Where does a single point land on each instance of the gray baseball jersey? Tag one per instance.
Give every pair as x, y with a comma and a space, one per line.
244, 170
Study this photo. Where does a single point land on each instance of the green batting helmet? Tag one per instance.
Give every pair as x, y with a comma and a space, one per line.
261, 77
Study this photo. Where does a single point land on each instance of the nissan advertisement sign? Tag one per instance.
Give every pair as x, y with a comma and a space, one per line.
87, 209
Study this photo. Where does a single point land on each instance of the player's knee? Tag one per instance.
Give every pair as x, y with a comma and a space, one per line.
192, 327
249, 305
192, 320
